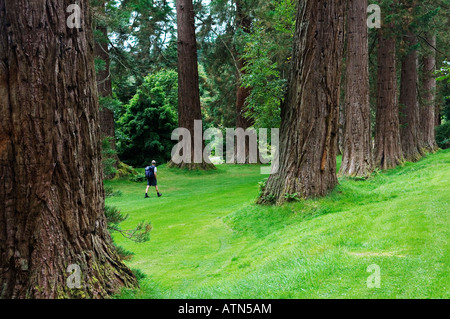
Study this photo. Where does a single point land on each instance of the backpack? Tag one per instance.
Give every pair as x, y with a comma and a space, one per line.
149, 172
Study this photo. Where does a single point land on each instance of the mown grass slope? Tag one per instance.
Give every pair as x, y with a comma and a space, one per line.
209, 239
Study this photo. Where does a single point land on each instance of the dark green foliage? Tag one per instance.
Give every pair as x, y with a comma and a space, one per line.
443, 131
215, 37
267, 51
139, 178
141, 39
149, 120
443, 135
446, 109
444, 85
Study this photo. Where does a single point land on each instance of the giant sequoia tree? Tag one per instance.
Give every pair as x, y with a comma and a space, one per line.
310, 110
357, 154
243, 22
51, 193
189, 108
427, 110
388, 148
409, 104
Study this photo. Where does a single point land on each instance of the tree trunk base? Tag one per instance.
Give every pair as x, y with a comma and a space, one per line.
389, 163
356, 169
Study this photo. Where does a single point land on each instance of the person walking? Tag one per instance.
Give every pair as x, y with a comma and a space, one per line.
150, 174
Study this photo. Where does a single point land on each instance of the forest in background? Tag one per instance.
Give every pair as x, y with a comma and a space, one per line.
244, 53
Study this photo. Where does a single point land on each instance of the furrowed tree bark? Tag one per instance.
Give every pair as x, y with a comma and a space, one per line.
189, 108
409, 105
51, 192
388, 148
310, 111
357, 159
428, 102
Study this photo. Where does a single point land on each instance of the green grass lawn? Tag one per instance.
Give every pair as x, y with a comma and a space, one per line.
209, 239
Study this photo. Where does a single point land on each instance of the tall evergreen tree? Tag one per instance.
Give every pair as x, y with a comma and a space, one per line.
388, 150
410, 132
243, 23
357, 159
428, 102
310, 111
189, 108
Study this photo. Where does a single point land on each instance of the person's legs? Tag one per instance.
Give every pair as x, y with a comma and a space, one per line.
157, 190
146, 191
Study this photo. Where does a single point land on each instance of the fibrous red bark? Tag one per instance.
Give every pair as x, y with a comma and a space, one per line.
51, 192
357, 157
388, 149
189, 108
428, 102
409, 105
310, 111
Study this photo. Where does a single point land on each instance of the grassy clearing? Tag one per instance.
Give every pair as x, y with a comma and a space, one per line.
210, 241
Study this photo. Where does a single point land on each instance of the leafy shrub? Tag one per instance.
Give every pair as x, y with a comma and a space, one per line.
443, 135
139, 178
124, 170
144, 131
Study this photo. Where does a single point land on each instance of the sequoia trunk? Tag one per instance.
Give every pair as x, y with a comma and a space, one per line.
310, 110
409, 105
388, 148
357, 154
189, 108
428, 102
51, 193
